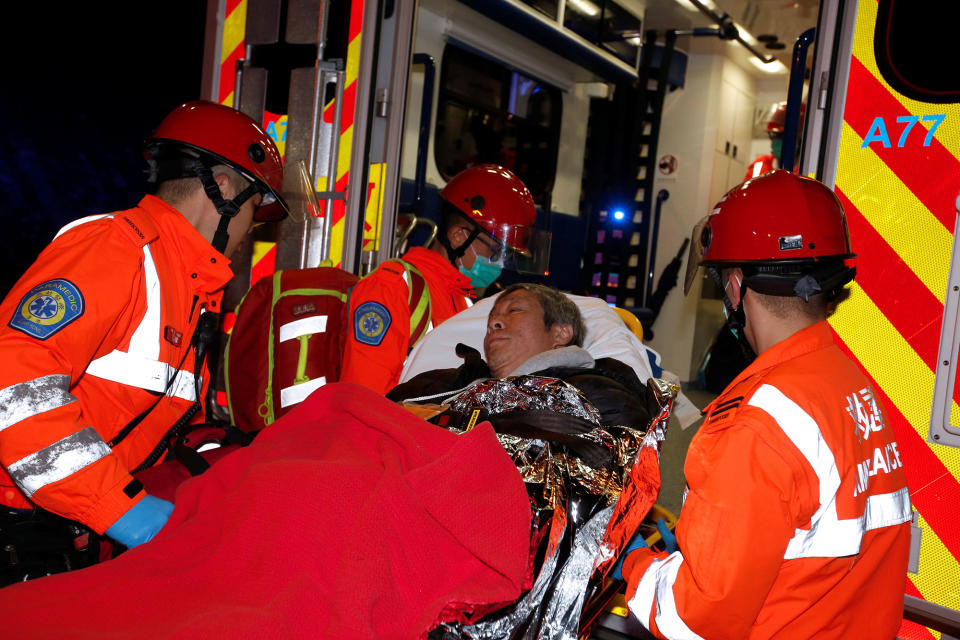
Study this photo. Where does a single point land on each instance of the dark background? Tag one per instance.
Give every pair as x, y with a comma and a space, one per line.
81, 86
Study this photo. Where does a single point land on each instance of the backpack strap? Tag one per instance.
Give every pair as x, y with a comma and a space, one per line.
418, 299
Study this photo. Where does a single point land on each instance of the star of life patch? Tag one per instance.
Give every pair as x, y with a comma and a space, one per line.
370, 323
47, 308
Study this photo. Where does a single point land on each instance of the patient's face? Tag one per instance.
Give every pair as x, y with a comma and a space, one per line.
515, 332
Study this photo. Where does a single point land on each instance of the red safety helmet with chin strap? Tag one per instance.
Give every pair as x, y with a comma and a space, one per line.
788, 233
501, 205
215, 134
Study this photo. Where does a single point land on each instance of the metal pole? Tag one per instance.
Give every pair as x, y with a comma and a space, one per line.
791, 126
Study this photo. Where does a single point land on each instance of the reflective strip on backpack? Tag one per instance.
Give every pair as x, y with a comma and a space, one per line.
305, 326
27, 399
297, 393
420, 311
828, 535
140, 365
58, 461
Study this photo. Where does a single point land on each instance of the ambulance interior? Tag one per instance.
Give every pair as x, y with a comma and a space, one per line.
533, 105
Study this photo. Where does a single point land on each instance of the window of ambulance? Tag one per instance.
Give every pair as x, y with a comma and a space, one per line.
913, 47
489, 113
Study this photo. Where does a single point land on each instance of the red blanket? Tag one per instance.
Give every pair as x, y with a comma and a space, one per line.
348, 518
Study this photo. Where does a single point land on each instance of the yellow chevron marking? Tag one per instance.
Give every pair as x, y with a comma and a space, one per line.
343, 154
228, 101
895, 212
949, 131
336, 242
353, 56
234, 29
260, 249
374, 208
937, 566
896, 367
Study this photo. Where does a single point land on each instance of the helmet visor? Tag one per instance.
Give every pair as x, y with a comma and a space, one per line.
301, 200
520, 248
699, 242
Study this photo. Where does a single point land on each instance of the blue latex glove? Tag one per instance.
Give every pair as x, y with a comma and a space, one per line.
669, 539
638, 542
141, 522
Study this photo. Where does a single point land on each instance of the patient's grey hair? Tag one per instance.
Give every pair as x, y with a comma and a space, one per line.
557, 309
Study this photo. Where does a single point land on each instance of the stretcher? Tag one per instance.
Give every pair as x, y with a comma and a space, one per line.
201, 503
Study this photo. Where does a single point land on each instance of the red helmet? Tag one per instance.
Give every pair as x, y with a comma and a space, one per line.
777, 116
779, 219
501, 205
224, 135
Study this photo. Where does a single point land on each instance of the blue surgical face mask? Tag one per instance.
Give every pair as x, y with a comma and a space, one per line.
483, 272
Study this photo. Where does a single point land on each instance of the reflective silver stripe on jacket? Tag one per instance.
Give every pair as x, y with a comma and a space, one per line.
828, 536
27, 399
657, 582
58, 461
77, 223
140, 365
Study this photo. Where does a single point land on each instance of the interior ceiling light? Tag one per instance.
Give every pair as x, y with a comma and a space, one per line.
769, 67
689, 6
584, 7
747, 36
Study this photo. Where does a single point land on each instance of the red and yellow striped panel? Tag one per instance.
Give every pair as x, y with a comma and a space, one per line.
337, 221
231, 50
898, 188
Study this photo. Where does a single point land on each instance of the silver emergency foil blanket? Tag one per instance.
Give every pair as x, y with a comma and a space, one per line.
524, 393
560, 484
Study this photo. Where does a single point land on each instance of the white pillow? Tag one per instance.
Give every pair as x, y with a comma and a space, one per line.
607, 337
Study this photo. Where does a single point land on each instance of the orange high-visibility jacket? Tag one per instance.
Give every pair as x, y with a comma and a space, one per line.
796, 518
761, 165
379, 337
98, 329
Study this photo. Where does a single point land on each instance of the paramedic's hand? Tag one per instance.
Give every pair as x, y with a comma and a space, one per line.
142, 522
637, 542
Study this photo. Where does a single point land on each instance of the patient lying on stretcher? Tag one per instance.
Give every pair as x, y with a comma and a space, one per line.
574, 427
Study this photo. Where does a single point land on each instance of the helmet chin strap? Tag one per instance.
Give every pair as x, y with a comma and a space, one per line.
455, 253
736, 318
226, 208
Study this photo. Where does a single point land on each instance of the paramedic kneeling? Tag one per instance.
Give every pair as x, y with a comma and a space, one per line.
795, 522
100, 345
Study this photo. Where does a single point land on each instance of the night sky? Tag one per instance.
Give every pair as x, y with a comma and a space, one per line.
82, 85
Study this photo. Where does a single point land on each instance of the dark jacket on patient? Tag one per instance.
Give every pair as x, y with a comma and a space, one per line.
608, 384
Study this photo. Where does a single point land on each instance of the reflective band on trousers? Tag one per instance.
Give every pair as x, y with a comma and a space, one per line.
828, 536
57, 461
657, 582
27, 399
140, 366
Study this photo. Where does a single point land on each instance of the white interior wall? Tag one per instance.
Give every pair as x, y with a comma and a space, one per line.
688, 132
